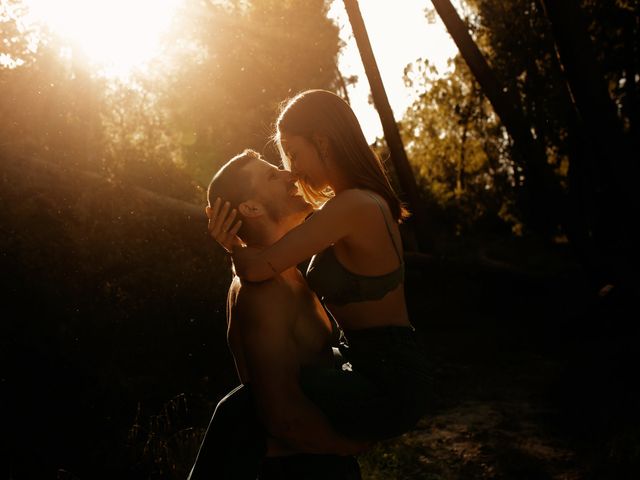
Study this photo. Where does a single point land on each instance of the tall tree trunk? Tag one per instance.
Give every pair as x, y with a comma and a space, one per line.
534, 194
632, 80
616, 167
389, 125
589, 91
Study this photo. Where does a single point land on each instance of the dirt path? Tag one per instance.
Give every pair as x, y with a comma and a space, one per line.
501, 428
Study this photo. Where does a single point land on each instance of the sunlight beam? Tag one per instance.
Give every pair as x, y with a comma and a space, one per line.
116, 36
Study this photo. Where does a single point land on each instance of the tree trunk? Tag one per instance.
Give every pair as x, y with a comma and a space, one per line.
534, 195
589, 91
616, 165
389, 126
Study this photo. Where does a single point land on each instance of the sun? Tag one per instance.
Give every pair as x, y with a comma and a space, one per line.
116, 36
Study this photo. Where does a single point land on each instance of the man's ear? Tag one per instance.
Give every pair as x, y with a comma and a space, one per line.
251, 209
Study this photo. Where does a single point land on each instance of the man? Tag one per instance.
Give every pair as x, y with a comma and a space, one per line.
275, 328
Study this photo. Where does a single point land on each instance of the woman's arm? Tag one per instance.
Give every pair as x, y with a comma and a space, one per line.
339, 218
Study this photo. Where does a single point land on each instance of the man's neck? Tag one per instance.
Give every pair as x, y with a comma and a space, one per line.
269, 233
289, 272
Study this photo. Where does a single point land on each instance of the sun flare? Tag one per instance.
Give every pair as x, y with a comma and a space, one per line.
116, 36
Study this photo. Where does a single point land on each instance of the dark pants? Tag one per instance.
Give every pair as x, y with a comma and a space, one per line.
382, 392
235, 441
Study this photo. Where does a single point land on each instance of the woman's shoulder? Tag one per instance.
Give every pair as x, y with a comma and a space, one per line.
357, 197
358, 210
358, 201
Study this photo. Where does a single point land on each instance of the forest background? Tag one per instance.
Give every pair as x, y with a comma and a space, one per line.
112, 296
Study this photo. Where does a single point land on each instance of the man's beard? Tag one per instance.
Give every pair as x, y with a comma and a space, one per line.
279, 213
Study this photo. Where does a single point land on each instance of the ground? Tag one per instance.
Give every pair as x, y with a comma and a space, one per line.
498, 427
535, 386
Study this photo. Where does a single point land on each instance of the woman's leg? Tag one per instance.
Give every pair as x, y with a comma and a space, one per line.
381, 393
235, 441
354, 405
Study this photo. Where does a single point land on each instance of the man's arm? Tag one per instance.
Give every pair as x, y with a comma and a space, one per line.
265, 318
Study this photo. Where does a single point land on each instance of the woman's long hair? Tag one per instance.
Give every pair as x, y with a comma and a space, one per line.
324, 113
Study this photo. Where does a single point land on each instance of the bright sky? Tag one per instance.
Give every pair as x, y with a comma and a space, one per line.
116, 35
399, 34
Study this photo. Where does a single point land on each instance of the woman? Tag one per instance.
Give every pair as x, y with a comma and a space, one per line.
357, 267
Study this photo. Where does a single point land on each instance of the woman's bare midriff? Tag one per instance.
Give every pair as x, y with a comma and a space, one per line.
391, 310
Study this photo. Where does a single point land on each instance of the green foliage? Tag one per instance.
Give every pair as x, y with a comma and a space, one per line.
139, 146
113, 295
457, 146
398, 459
16, 39
45, 110
247, 58
226, 67
526, 63
165, 443
615, 32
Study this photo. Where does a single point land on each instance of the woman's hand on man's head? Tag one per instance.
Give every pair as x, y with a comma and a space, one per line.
221, 225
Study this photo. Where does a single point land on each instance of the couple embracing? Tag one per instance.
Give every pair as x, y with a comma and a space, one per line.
303, 408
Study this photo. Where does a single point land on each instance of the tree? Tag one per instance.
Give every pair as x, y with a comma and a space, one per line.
247, 57
458, 147
399, 158
600, 121
595, 216
46, 109
536, 181
16, 38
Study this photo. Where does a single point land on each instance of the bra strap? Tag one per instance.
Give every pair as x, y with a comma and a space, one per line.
386, 224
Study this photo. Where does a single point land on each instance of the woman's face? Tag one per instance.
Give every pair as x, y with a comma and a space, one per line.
306, 163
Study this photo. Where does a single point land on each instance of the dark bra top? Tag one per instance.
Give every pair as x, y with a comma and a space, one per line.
336, 285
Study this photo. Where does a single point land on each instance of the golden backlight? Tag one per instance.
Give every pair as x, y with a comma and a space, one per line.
116, 36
